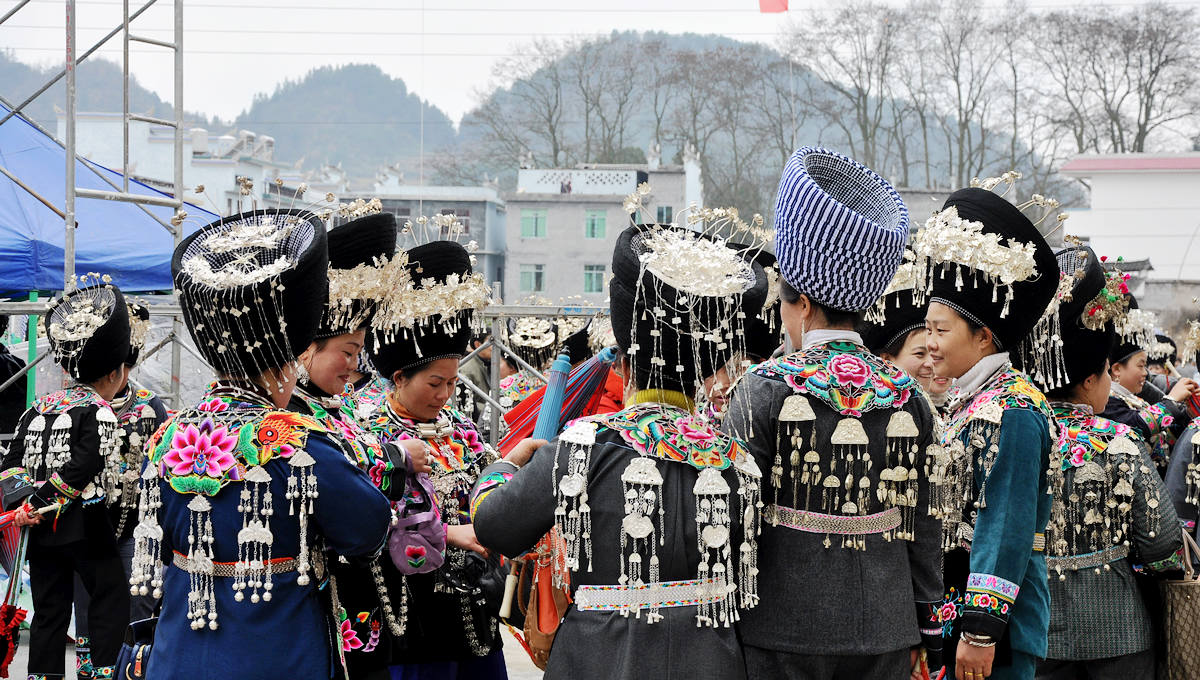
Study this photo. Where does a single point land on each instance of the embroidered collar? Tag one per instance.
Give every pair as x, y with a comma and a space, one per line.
242, 392
1085, 435
822, 336
309, 393
970, 383
672, 434
673, 398
844, 375
74, 396
1134, 401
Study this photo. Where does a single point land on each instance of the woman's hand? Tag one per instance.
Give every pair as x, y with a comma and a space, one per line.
973, 663
417, 452
463, 536
24, 516
1181, 390
524, 450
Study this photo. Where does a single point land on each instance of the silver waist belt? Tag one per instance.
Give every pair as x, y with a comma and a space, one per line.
848, 525
650, 595
966, 534
1088, 560
229, 569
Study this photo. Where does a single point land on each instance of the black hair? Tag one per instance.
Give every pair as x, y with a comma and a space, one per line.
834, 317
894, 347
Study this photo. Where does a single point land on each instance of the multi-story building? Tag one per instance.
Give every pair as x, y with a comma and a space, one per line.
564, 223
479, 209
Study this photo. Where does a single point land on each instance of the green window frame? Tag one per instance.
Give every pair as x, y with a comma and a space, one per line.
593, 278
595, 224
533, 278
533, 223
665, 214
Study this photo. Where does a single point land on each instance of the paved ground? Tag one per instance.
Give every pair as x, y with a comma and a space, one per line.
519, 665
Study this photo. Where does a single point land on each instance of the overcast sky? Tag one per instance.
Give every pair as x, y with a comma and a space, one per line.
443, 49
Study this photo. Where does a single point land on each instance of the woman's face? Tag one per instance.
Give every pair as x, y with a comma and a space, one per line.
953, 347
424, 394
1131, 373
331, 366
914, 358
716, 389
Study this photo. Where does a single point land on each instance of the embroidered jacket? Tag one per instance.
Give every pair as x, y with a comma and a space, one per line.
139, 415
1155, 423
64, 451
240, 497
447, 621
516, 387
997, 452
1112, 510
1183, 478
843, 438
647, 500
368, 399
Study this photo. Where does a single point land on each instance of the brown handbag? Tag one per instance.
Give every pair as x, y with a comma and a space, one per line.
541, 604
1181, 617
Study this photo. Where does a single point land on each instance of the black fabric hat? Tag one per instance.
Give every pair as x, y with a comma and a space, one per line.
253, 287
88, 329
764, 331
434, 337
366, 241
901, 315
534, 339
1084, 349
677, 336
577, 346
139, 327
1164, 351
1124, 347
975, 296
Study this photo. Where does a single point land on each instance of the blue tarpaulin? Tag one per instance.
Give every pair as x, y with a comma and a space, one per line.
114, 238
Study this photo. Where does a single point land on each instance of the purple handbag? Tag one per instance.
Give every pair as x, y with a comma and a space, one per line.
417, 542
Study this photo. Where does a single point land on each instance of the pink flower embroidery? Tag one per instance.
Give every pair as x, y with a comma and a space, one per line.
350, 639
849, 369
214, 405
1077, 453
948, 612
206, 450
470, 439
695, 432
376, 472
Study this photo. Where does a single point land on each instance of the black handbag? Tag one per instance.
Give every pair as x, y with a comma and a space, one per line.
134, 658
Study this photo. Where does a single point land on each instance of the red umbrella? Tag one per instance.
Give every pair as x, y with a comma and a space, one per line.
581, 397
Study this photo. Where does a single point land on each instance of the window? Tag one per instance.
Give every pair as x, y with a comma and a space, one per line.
533, 278
593, 278
665, 214
464, 218
593, 224
533, 223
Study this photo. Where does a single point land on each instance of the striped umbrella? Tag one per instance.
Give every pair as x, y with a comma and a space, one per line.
580, 396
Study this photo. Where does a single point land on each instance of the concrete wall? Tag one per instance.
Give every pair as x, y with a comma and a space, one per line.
1138, 215
565, 251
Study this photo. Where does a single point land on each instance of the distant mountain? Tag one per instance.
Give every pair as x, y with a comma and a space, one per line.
98, 89
356, 115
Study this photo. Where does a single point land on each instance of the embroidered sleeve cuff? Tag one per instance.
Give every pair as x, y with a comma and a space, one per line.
390, 473
988, 604
495, 476
63, 488
15, 486
929, 620
1169, 563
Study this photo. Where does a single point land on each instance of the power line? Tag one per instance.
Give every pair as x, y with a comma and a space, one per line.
299, 54
444, 34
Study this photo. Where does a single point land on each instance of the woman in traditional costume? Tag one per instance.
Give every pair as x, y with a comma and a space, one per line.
658, 512
240, 495
1110, 510
845, 437
1158, 423
65, 455
139, 414
991, 276
451, 628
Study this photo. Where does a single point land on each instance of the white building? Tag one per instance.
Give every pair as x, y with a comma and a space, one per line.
563, 223
1143, 207
214, 162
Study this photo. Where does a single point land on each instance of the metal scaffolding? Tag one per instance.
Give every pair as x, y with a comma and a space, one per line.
494, 316
122, 193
